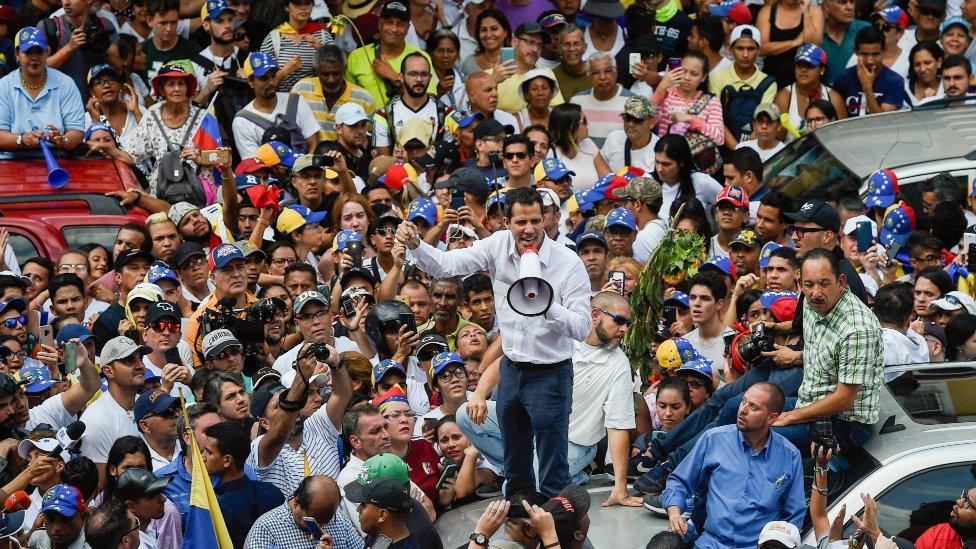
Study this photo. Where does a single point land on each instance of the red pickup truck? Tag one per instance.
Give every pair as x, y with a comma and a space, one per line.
43, 221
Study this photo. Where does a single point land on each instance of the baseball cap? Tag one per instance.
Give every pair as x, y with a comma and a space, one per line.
745, 31
532, 27
850, 226
549, 197
610, 9
882, 189
570, 505
953, 301
734, 10
894, 15
385, 367
308, 214
46, 445
934, 4
15, 303
259, 64
422, 208
262, 396
678, 298
896, 227
153, 402
160, 271
955, 20
218, 340
289, 221
592, 237
146, 291
463, 119
30, 37
36, 378
781, 531
674, 352
416, 132
395, 9
344, 237
620, 217
73, 331
642, 189
274, 153
767, 299
605, 188
64, 500
551, 20
249, 249
397, 176
385, 493
490, 127
639, 107
178, 211
266, 374
121, 347
733, 194
466, 232
349, 114
552, 168
819, 212
98, 69
769, 109
719, 263
469, 180
810, 54
186, 251
138, 483
767, 252
385, 465
213, 8
249, 166
310, 296
442, 360
98, 126
222, 255
936, 331
128, 256
698, 365
431, 343
745, 237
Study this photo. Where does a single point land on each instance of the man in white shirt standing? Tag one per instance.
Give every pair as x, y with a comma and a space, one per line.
633, 145
642, 196
535, 382
706, 295
111, 416
603, 395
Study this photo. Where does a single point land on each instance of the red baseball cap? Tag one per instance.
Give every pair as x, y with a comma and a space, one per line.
734, 194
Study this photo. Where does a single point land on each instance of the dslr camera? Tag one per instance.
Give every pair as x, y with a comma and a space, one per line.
96, 36
748, 348
248, 330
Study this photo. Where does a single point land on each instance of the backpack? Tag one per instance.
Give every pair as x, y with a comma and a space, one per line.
739, 105
442, 112
176, 180
283, 123
704, 151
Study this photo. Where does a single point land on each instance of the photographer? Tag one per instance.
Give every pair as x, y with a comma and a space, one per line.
80, 40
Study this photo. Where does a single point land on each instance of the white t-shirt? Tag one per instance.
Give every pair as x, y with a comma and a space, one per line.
764, 154
582, 164
52, 412
907, 348
648, 239
602, 393
105, 422
713, 350
706, 189
716, 248
247, 134
613, 152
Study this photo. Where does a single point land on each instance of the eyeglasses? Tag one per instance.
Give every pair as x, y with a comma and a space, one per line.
573, 45
386, 231
77, 267
227, 353
884, 27
13, 322
456, 373
165, 326
193, 263
165, 414
620, 320
284, 261
19, 354
966, 502
694, 383
320, 315
521, 155
930, 12
396, 416
417, 74
930, 259
803, 231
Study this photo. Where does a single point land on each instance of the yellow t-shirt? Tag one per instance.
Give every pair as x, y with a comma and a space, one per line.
508, 94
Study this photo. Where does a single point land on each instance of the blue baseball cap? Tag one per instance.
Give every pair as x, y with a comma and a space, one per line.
424, 208
224, 254
98, 126
307, 214
64, 500
29, 37
678, 298
955, 20
496, 198
584, 203
896, 228
258, 64
213, 8
768, 298
621, 217
554, 169
73, 331
894, 15
344, 237
811, 54
717, 262
245, 181
98, 69
36, 378
699, 365
284, 153
385, 367
882, 189
674, 352
592, 237
442, 360
767, 250
465, 119
152, 402
160, 271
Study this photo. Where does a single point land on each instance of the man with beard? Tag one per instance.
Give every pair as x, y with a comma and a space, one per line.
593, 250
415, 102
956, 73
603, 395
445, 294
192, 225
959, 532
269, 105
352, 139
482, 94
329, 90
753, 475
165, 238
744, 254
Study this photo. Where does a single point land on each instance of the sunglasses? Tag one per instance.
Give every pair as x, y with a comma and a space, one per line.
456, 373
803, 231
386, 231
884, 27
966, 502
227, 353
620, 320
166, 414
931, 12
129, 360
520, 155
694, 383
13, 322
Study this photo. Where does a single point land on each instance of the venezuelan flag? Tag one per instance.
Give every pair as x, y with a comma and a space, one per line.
207, 136
205, 526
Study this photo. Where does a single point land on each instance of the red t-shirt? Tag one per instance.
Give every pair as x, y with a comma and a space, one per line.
940, 536
423, 466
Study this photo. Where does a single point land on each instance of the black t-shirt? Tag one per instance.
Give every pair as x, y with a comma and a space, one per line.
359, 165
107, 325
406, 543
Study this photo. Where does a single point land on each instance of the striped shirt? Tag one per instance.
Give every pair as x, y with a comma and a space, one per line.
277, 528
843, 347
603, 116
320, 440
283, 49
311, 89
708, 121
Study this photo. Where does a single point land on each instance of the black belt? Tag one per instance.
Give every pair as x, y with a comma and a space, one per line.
535, 367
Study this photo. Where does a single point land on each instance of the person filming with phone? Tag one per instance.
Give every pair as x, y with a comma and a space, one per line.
535, 379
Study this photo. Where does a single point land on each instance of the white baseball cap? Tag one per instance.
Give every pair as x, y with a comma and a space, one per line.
349, 114
953, 301
850, 226
745, 31
781, 531
549, 197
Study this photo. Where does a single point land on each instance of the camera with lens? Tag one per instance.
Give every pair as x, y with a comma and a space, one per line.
319, 350
96, 36
248, 330
347, 301
747, 348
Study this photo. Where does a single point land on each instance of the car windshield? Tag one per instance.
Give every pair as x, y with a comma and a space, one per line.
805, 164
938, 396
79, 235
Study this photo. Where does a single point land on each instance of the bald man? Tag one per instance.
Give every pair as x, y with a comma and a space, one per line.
317, 496
483, 97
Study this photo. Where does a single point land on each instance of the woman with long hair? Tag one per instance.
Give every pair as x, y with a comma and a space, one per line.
961, 337
683, 103
133, 63
818, 113
493, 34
923, 83
785, 25
809, 65
675, 169
569, 141
443, 47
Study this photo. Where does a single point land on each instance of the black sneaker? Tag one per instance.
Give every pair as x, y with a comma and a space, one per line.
639, 465
652, 502
653, 481
489, 490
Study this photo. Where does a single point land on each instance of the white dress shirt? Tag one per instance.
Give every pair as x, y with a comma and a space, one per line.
543, 339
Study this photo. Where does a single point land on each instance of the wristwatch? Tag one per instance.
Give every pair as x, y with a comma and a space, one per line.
479, 539
20, 140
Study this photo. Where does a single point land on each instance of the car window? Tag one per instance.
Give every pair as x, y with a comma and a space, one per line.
23, 247
806, 164
935, 396
79, 235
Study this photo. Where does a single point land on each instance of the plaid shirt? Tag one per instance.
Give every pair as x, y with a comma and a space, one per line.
277, 529
846, 346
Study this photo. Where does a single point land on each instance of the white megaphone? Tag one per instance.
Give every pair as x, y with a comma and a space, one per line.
530, 295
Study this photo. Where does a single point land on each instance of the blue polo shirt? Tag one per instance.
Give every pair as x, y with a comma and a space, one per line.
889, 87
839, 53
244, 500
59, 104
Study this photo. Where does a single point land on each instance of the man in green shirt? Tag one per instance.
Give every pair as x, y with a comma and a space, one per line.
571, 73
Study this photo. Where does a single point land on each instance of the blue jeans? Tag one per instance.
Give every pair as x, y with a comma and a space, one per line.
535, 405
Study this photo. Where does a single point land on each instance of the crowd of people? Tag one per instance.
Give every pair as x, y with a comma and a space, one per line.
340, 199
